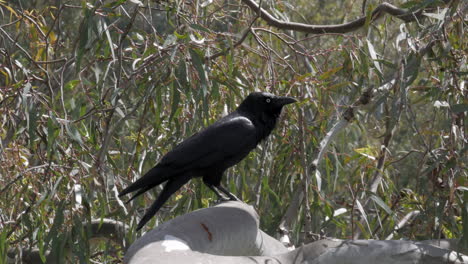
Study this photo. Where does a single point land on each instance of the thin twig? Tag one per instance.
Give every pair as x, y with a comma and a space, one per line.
238, 42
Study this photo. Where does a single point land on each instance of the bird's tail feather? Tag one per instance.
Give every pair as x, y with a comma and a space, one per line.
171, 187
152, 178
141, 191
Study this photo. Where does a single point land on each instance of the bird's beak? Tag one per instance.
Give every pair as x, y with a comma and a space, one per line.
284, 100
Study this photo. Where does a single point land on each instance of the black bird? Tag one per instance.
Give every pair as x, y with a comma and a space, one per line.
211, 151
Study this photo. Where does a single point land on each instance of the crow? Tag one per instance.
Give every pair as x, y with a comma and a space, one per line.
211, 151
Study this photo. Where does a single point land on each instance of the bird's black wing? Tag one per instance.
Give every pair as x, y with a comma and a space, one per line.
230, 136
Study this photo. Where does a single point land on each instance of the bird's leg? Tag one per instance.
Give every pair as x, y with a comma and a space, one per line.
231, 196
221, 198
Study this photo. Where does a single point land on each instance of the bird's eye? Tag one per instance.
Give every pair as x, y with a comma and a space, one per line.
268, 100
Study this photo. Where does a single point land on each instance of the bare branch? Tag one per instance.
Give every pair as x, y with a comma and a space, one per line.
379, 11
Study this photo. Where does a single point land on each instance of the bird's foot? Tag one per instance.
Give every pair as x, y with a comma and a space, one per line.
232, 197
222, 199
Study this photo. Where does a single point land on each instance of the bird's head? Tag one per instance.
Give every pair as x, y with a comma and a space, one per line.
262, 103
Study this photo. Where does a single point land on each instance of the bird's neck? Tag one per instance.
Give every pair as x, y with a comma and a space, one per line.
268, 123
264, 123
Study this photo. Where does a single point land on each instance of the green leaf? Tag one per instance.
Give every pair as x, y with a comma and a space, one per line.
52, 133
83, 36
70, 86
58, 222
3, 245
198, 64
368, 152
369, 10
411, 69
73, 133
32, 124
198, 27
215, 89
381, 203
181, 75
40, 244
57, 249
464, 208
329, 73
363, 214
179, 36
273, 196
115, 4
175, 101
373, 55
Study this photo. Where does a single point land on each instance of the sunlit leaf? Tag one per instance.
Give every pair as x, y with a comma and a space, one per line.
439, 16
381, 203
373, 55
329, 73
73, 133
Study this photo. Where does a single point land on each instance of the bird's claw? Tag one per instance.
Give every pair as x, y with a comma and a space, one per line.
232, 197
222, 200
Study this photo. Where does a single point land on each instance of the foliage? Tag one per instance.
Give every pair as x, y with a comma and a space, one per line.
93, 94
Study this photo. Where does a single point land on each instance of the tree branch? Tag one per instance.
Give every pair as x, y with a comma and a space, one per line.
382, 9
